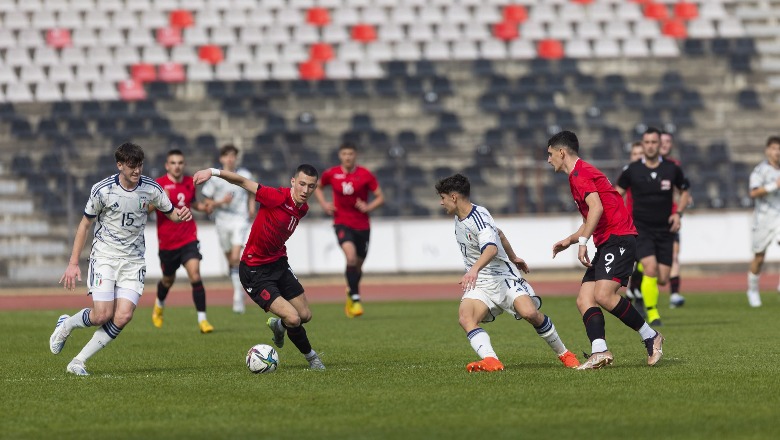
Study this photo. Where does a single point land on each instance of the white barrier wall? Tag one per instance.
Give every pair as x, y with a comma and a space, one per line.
429, 245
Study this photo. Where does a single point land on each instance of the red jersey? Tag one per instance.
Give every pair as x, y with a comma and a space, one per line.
174, 235
276, 220
348, 188
585, 179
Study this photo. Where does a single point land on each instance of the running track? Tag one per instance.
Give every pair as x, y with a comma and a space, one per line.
401, 288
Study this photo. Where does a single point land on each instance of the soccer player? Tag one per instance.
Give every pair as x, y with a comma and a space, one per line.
609, 222
675, 299
232, 210
490, 285
116, 264
652, 181
634, 291
351, 185
764, 182
264, 272
179, 244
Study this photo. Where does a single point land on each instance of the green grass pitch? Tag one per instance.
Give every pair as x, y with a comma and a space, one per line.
397, 372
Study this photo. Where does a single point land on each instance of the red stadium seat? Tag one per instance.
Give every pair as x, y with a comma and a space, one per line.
656, 11
131, 90
582, 2
515, 14
550, 49
674, 28
168, 37
686, 11
318, 16
365, 33
143, 73
321, 52
171, 72
58, 38
211, 54
311, 70
181, 18
506, 30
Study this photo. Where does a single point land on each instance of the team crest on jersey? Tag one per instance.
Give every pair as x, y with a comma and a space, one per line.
142, 203
97, 280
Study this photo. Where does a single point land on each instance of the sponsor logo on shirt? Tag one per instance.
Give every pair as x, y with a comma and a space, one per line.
666, 185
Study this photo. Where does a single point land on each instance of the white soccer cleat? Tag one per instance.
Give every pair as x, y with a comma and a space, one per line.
754, 298
315, 363
58, 338
278, 335
77, 367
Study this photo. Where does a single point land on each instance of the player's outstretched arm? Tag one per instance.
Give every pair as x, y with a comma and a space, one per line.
73, 272
203, 176
182, 214
519, 262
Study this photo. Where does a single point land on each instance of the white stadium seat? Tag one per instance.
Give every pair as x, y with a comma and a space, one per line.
77, 91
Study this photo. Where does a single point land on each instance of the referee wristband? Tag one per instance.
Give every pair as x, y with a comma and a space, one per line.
214, 172
770, 187
583, 241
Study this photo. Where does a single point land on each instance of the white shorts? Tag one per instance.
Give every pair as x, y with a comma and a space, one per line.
499, 295
232, 233
764, 233
111, 278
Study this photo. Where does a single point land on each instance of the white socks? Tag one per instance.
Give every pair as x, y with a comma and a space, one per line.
753, 281
480, 342
79, 319
547, 332
238, 289
598, 345
647, 332
201, 316
99, 340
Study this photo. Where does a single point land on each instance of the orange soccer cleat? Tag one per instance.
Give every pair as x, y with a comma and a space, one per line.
569, 360
491, 364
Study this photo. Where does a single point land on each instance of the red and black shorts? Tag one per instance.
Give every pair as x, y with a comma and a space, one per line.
269, 281
614, 260
359, 237
170, 260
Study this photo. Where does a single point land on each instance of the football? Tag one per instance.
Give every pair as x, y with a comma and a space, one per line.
262, 358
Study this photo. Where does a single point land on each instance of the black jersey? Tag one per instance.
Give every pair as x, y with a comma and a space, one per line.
652, 190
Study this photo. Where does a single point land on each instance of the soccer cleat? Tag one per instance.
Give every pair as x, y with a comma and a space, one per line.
157, 316
59, 336
353, 309
77, 367
597, 360
315, 363
654, 347
491, 364
278, 335
754, 299
569, 360
473, 366
676, 300
205, 327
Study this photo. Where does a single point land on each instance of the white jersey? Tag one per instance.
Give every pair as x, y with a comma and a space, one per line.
121, 216
238, 209
768, 206
473, 234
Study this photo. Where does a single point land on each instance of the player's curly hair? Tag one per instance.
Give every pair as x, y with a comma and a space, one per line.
457, 183
129, 154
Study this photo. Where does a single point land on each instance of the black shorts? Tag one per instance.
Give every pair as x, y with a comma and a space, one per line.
658, 241
614, 260
269, 281
170, 260
357, 236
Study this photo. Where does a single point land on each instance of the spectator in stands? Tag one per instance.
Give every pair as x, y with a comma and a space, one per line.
675, 299
117, 267
634, 291
652, 182
264, 271
232, 212
179, 244
351, 185
764, 183
609, 222
490, 285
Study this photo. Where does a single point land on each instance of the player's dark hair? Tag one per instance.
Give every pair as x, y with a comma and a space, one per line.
457, 183
636, 144
348, 146
664, 132
652, 130
773, 140
174, 152
129, 154
565, 139
227, 149
308, 170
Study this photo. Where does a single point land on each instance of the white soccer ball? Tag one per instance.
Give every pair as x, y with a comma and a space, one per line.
262, 358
